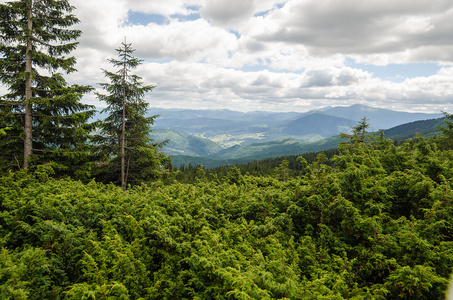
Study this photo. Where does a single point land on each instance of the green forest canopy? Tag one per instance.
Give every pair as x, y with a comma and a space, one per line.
374, 222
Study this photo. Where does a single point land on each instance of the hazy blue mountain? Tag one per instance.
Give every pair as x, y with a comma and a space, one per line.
288, 146
379, 118
283, 147
204, 126
228, 128
192, 113
225, 127
317, 123
181, 143
214, 132
223, 114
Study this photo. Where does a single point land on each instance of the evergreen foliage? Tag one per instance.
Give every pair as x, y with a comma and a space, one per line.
124, 140
265, 167
359, 132
447, 130
373, 222
41, 115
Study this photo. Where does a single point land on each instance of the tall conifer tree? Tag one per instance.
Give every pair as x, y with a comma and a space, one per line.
132, 156
41, 114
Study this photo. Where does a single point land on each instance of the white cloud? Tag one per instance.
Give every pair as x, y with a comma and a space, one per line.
273, 55
385, 27
234, 14
192, 85
192, 40
225, 12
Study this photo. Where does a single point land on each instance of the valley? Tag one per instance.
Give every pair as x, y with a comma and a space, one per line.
216, 137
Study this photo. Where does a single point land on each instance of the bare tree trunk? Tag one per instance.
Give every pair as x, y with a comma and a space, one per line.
123, 134
128, 165
28, 141
123, 140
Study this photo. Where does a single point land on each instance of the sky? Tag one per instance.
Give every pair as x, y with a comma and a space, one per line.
294, 55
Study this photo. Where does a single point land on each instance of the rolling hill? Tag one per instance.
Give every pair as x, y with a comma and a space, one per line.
214, 137
181, 143
289, 146
229, 128
379, 118
316, 123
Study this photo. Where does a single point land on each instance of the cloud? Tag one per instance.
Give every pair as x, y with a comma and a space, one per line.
99, 22
191, 40
235, 14
192, 85
328, 27
334, 77
277, 55
225, 12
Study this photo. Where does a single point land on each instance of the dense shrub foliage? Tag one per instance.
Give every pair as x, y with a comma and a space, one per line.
375, 222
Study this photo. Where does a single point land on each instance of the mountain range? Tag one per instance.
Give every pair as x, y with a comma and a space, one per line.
224, 136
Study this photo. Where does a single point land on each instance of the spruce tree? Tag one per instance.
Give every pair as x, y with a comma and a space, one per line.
447, 131
131, 156
359, 133
41, 115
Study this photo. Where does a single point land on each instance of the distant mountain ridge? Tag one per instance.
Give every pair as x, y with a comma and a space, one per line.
317, 123
228, 136
181, 143
379, 118
288, 146
228, 128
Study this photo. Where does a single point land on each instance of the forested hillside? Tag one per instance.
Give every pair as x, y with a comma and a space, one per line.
229, 128
373, 222
264, 151
180, 142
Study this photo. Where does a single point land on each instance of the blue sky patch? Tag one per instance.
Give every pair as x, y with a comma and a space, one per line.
138, 18
397, 72
193, 7
235, 33
263, 13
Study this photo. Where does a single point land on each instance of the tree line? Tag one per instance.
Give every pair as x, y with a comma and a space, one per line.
266, 167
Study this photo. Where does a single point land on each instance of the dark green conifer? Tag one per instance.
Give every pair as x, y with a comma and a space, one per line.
41, 115
125, 134
281, 172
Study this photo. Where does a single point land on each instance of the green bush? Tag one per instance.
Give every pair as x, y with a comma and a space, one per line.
375, 224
